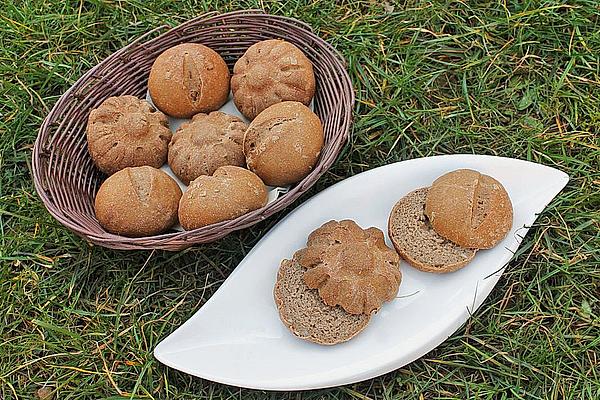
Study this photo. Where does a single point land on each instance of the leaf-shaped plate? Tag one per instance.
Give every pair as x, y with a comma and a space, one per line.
237, 338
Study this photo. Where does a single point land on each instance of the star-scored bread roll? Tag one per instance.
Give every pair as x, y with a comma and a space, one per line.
268, 73
125, 131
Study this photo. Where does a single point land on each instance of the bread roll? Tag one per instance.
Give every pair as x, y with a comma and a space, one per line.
416, 241
187, 79
470, 209
268, 73
304, 313
227, 194
125, 131
282, 145
138, 201
350, 266
207, 142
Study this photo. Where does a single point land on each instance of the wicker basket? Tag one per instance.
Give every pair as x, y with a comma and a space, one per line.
67, 180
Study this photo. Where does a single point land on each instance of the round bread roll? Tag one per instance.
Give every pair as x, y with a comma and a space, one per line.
227, 194
470, 209
207, 142
124, 132
138, 201
270, 72
188, 79
282, 144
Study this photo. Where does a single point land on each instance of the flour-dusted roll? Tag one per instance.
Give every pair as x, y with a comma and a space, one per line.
350, 266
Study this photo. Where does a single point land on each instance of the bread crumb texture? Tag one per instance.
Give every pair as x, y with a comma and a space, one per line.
303, 311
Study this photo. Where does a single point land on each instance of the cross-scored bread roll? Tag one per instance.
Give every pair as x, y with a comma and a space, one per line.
282, 145
470, 209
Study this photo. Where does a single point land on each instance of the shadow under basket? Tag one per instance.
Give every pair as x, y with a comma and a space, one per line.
66, 178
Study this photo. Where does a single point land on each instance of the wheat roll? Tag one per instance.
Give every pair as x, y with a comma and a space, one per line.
416, 241
125, 131
227, 194
304, 313
207, 142
269, 72
350, 266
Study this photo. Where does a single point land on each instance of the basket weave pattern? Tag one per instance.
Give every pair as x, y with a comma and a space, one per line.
65, 176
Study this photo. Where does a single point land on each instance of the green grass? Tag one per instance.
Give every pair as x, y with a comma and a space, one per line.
511, 78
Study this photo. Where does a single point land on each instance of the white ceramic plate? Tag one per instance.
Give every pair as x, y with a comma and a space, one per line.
237, 338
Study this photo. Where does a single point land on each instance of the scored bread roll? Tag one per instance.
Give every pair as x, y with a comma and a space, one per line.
470, 209
227, 194
188, 79
283, 143
416, 241
304, 313
138, 201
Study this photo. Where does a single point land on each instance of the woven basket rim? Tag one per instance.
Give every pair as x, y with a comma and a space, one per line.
187, 238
